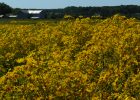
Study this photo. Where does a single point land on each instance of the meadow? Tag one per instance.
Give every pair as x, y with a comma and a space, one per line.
73, 59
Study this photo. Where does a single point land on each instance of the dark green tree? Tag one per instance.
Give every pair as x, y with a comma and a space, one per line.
16, 10
5, 9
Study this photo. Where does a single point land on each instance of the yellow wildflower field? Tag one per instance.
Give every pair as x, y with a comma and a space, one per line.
73, 59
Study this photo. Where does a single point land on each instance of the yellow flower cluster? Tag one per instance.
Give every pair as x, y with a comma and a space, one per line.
88, 59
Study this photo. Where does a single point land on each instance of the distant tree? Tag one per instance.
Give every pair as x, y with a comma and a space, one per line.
16, 10
105, 11
5, 9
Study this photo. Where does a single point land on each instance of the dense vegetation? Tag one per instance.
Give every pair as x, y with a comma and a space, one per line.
105, 11
5, 9
82, 59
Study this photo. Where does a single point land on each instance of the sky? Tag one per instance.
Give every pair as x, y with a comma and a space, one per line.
50, 4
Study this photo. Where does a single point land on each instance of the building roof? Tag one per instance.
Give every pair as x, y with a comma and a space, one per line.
1, 16
12, 16
34, 17
31, 11
34, 11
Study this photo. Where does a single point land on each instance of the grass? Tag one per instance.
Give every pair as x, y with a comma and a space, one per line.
27, 21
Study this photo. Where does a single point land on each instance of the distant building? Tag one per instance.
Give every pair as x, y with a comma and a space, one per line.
12, 16
31, 13
23, 14
1, 16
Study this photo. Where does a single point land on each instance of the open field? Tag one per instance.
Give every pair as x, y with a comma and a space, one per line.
27, 21
82, 59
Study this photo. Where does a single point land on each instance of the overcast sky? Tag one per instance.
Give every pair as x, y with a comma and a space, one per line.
49, 4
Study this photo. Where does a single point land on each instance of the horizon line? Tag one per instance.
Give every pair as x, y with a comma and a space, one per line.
78, 6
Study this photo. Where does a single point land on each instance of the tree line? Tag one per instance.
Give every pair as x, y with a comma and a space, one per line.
105, 11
